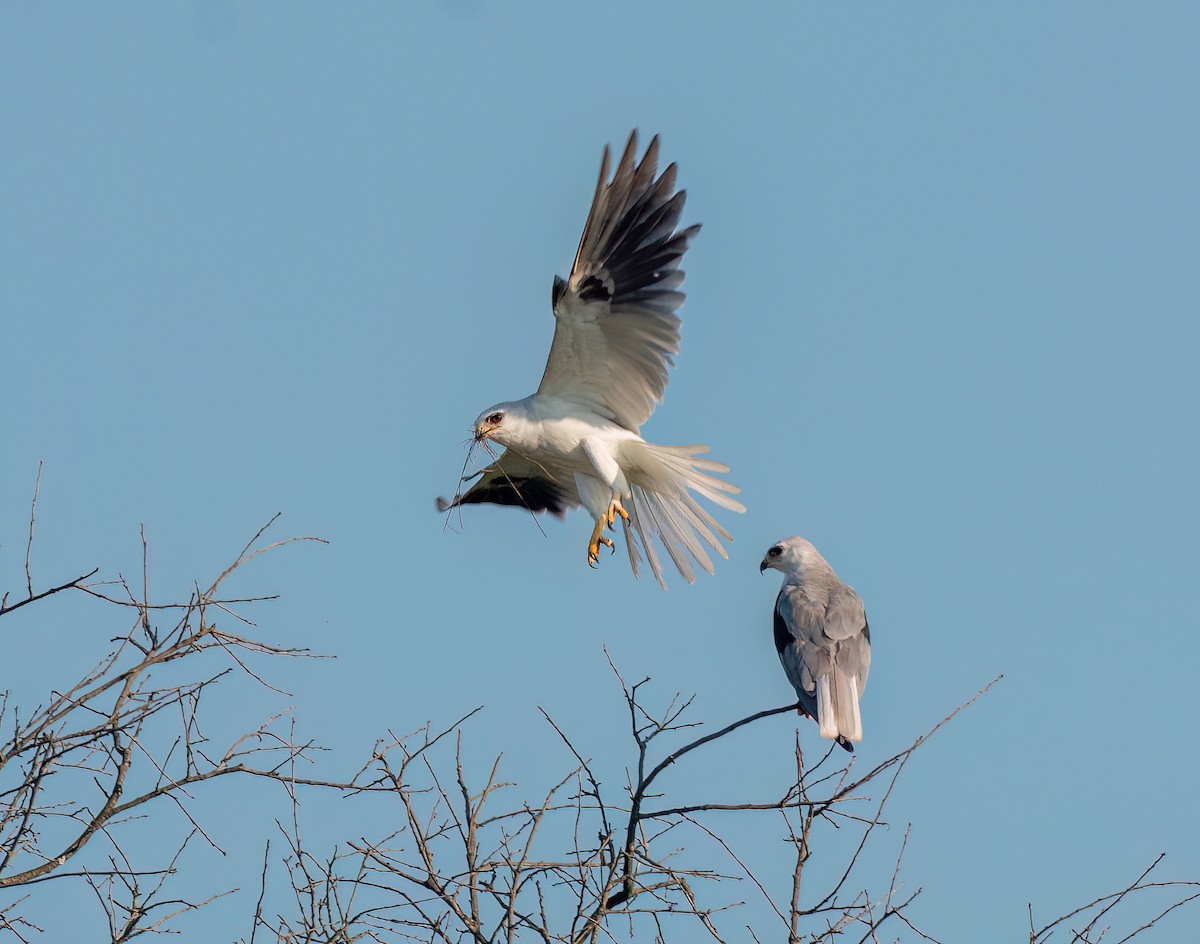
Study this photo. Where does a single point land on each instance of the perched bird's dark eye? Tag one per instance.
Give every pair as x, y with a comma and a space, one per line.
495, 418
775, 552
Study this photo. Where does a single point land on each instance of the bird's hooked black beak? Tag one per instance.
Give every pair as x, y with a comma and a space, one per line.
762, 567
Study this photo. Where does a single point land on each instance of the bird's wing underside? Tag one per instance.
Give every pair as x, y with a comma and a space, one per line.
512, 480
616, 328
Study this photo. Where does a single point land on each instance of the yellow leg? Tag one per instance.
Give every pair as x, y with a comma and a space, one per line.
596, 540
615, 508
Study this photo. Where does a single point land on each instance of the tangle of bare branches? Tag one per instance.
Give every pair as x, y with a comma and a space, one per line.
477, 862
450, 858
122, 742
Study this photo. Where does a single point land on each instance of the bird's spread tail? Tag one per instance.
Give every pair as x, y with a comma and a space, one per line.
837, 708
660, 505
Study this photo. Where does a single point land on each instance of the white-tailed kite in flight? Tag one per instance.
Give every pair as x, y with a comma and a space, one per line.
575, 441
822, 637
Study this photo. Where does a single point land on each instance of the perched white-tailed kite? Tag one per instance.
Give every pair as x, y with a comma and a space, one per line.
575, 441
822, 637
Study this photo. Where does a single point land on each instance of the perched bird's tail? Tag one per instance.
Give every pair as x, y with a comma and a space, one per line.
660, 505
837, 708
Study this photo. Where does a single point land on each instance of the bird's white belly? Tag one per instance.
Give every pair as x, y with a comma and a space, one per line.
561, 441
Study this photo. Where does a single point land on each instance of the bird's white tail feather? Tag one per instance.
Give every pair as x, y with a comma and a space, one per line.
657, 518
837, 707
826, 716
661, 507
682, 462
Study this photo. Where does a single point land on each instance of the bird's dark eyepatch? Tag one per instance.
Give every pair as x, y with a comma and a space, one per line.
496, 418
775, 551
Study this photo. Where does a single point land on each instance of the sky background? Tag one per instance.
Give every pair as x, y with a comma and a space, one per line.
941, 320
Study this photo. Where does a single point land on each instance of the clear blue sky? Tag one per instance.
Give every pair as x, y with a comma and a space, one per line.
942, 320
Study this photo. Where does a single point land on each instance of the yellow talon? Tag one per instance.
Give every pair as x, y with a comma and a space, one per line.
615, 508
596, 540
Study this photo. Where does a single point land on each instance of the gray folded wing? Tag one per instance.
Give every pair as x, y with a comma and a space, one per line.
511, 480
616, 329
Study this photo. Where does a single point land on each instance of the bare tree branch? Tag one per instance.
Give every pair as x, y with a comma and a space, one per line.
1183, 893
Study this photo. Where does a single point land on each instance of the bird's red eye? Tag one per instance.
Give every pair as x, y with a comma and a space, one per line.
495, 418
775, 552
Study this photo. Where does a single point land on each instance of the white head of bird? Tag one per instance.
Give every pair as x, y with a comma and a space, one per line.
793, 556
505, 423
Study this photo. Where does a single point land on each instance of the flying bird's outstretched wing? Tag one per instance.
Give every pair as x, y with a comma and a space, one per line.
511, 480
825, 649
616, 328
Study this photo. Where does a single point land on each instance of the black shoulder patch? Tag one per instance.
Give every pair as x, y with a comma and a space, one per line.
536, 494
595, 289
866, 630
783, 637
556, 291
541, 495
